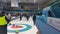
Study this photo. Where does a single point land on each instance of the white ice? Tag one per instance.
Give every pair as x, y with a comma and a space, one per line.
33, 30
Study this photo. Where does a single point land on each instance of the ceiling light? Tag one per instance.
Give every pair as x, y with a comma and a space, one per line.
34, 1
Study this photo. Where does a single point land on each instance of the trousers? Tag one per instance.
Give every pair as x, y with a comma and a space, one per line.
3, 29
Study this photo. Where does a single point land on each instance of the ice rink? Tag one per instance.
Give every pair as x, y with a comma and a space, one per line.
32, 30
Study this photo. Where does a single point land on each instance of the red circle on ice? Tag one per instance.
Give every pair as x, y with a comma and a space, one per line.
16, 26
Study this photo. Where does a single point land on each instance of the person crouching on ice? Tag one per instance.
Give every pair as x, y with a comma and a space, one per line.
3, 23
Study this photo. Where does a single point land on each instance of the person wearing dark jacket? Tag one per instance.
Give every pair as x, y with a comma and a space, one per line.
21, 15
34, 19
27, 17
3, 23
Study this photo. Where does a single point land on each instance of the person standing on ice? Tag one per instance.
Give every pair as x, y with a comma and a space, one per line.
27, 17
21, 15
3, 23
34, 19
8, 15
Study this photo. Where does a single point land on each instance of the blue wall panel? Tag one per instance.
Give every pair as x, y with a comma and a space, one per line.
56, 11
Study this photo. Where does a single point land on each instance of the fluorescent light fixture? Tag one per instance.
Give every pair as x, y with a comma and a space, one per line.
20, 0
34, 1
14, 3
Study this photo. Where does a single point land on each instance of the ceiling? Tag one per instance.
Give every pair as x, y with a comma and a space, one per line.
42, 3
30, 1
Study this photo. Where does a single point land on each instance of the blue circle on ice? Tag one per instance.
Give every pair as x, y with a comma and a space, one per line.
28, 27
